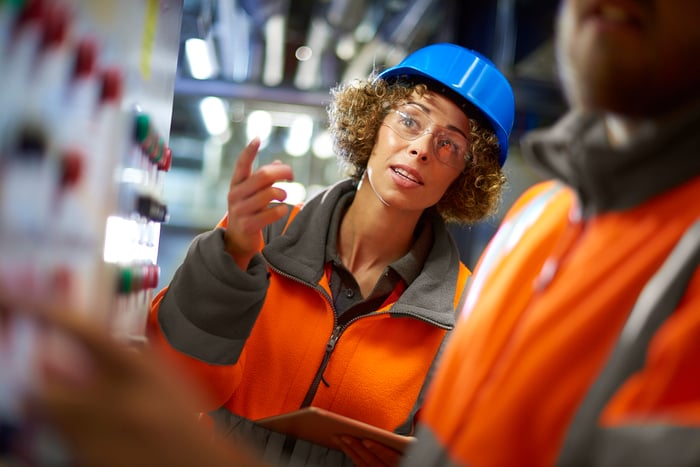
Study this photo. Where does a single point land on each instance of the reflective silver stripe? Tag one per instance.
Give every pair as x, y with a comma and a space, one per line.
585, 441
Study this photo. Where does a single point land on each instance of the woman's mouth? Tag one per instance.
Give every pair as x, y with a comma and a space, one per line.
405, 174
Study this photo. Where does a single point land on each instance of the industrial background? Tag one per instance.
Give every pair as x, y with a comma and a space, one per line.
265, 67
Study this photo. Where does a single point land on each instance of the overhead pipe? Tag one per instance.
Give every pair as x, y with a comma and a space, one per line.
233, 29
401, 32
391, 42
345, 15
339, 17
269, 19
505, 36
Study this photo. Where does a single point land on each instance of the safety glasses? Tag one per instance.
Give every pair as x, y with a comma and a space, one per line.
410, 122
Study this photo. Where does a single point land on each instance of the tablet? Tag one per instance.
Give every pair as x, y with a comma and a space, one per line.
320, 426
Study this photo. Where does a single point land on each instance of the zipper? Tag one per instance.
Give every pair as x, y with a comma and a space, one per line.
330, 345
312, 285
332, 341
337, 331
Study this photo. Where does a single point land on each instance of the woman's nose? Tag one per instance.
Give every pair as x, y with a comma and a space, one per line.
422, 147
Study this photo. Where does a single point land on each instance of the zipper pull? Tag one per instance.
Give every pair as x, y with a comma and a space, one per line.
334, 338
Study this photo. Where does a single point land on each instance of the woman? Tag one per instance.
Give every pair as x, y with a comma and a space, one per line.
345, 303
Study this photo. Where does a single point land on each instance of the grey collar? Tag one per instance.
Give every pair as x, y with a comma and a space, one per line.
300, 253
576, 151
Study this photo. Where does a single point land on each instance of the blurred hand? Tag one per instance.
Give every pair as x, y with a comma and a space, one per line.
249, 197
368, 453
113, 405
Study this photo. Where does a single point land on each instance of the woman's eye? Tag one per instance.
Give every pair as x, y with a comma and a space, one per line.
447, 144
407, 121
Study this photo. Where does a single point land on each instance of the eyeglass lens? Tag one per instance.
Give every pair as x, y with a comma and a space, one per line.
410, 122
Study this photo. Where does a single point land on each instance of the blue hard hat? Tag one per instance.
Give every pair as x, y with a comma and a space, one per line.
471, 76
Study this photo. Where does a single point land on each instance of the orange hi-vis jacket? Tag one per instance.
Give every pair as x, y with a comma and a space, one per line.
267, 341
510, 382
546, 307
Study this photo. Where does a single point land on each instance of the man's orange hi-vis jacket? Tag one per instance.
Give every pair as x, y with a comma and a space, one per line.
545, 309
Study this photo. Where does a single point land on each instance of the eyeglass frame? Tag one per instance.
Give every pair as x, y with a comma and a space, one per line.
433, 129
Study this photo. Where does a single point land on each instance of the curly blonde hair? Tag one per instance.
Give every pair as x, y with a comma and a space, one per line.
358, 109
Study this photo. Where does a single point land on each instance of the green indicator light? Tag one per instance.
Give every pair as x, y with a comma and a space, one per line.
125, 282
143, 127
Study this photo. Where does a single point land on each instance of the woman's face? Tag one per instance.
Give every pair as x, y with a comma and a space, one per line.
420, 150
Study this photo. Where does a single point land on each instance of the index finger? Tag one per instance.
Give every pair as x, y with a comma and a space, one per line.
244, 163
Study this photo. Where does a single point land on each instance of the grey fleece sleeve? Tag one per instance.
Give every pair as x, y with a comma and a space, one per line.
211, 305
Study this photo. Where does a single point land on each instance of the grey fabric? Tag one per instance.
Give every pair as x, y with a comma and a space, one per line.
270, 445
586, 444
197, 313
427, 452
576, 151
648, 446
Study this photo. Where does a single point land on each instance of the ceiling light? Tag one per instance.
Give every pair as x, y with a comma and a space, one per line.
259, 124
323, 145
299, 138
296, 192
201, 58
274, 50
214, 115
303, 53
346, 48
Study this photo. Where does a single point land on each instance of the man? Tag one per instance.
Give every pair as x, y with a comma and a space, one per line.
549, 363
